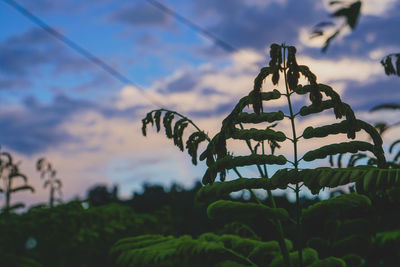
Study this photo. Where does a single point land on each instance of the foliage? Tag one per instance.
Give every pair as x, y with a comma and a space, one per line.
390, 68
350, 12
208, 250
69, 235
193, 141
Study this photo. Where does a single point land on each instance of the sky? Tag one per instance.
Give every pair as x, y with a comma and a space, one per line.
57, 104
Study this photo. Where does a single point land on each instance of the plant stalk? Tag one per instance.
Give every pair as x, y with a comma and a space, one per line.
281, 237
296, 163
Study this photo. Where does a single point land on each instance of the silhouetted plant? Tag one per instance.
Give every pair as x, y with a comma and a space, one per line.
9, 172
176, 133
219, 160
350, 12
390, 68
48, 173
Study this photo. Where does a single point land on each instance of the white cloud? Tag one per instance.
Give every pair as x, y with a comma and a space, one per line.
377, 7
354, 69
368, 7
306, 40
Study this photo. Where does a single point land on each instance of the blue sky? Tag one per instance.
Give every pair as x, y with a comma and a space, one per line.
58, 104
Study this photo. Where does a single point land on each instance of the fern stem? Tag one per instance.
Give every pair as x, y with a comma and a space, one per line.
281, 238
8, 195
296, 162
265, 165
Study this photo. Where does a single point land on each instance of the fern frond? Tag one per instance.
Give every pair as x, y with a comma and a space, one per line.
238, 210
179, 127
148, 119
329, 262
220, 189
340, 204
309, 256
315, 94
340, 148
357, 244
167, 122
176, 133
258, 135
388, 65
230, 162
259, 252
244, 117
365, 177
311, 109
155, 250
192, 144
354, 158
157, 119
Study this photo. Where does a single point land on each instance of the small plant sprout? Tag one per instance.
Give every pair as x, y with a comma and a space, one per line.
48, 173
10, 173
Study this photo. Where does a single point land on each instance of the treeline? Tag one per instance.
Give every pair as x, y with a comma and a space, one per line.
81, 232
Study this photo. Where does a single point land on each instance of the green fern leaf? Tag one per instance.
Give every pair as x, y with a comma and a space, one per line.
192, 144
238, 210
179, 127
309, 256
342, 203
148, 119
258, 135
244, 117
157, 119
230, 162
340, 148
167, 121
329, 262
220, 189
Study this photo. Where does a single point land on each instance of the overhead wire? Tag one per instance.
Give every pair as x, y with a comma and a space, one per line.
219, 42
79, 49
99, 62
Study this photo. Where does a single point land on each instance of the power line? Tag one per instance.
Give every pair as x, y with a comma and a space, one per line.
113, 72
224, 45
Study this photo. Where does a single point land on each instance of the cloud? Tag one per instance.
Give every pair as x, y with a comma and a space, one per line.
17, 57
141, 14
377, 7
33, 54
205, 90
13, 84
366, 96
246, 25
354, 69
211, 90
35, 127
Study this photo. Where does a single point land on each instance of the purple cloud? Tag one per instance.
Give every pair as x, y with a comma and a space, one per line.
141, 14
